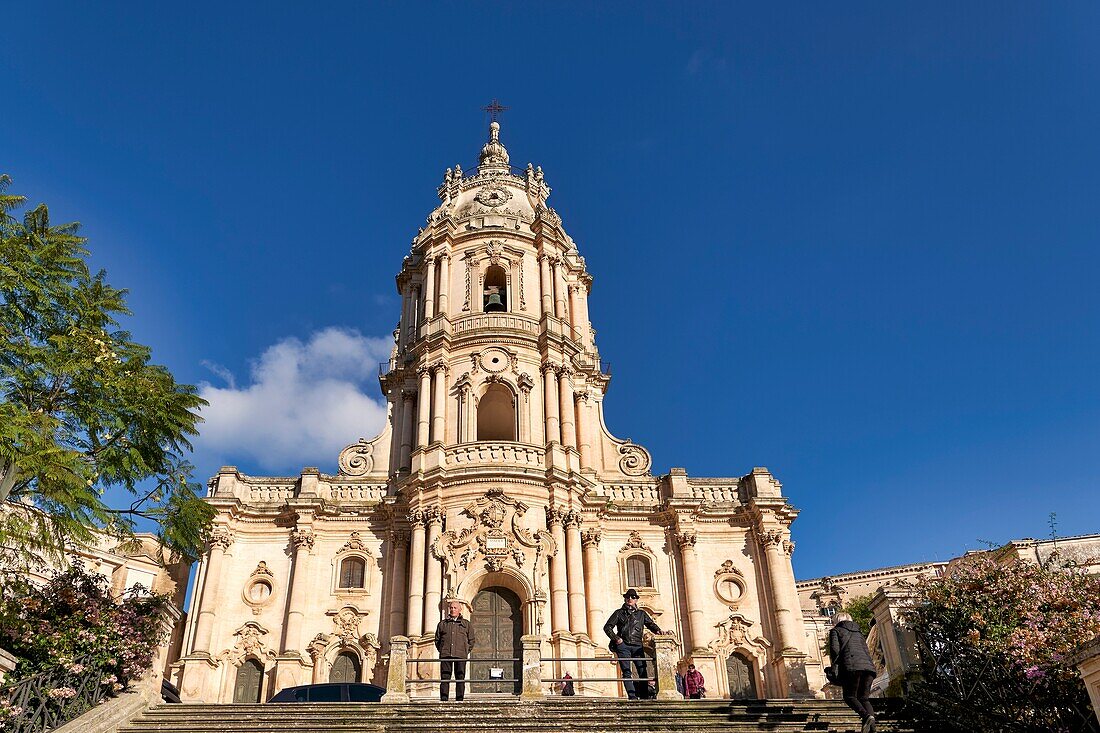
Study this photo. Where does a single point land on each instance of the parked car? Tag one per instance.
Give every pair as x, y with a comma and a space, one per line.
331, 692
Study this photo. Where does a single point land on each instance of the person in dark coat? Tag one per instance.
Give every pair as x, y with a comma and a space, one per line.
853, 667
624, 628
454, 640
567, 685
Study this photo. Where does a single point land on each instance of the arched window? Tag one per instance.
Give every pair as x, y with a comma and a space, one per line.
638, 574
345, 668
495, 295
352, 572
496, 414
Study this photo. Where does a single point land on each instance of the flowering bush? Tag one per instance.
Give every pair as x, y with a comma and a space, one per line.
74, 617
994, 639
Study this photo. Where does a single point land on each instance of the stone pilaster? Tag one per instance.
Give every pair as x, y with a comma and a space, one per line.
399, 543
408, 421
550, 407
415, 617
433, 579
220, 540
429, 288
423, 406
568, 410
593, 581
685, 540
301, 539
444, 281
439, 396
546, 285
559, 588
578, 612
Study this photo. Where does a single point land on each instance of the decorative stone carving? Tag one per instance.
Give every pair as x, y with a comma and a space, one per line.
302, 538
733, 634
572, 518
522, 289
415, 517
634, 542
470, 260
355, 544
635, 460
486, 537
347, 621
250, 643
220, 538
591, 537
399, 537
788, 547
356, 459
526, 383
316, 647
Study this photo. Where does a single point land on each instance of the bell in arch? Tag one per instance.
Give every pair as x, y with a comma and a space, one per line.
494, 304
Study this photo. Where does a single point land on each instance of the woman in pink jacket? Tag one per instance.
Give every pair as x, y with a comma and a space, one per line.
693, 683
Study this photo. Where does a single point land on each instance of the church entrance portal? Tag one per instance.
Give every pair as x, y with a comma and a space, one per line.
250, 677
498, 625
741, 678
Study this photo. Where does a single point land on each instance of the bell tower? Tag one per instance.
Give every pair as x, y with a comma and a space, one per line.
494, 344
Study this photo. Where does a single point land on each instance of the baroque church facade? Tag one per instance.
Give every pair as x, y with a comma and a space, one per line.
497, 482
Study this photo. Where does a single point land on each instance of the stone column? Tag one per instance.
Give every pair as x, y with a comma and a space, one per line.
433, 582
414, 623
693, 585
423, 406
429, 288
414, 313
772, 542
439, 409
302, 540
407, 422
568, 411
399, 539
397, 673
550, 407
559, 289
593, 581
403, 334
584, 434
583, 325
220, 540
444, 281
559, 589
578, 611
546, 285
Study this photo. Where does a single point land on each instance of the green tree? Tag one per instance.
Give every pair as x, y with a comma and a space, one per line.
994, 639
82, 411
860, 609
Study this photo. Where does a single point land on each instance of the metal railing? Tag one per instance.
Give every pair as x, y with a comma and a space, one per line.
469, 662
48, 700
530, 682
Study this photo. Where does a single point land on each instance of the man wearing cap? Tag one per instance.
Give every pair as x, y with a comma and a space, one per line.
624, 628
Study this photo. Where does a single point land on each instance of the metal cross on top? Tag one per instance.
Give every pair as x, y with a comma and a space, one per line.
494, 109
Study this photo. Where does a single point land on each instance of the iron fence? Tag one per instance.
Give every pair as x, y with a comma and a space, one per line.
48, 700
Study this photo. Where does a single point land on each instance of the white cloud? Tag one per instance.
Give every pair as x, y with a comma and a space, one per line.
303, 403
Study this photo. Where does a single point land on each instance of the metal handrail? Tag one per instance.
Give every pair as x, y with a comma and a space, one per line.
39, 711
433, 660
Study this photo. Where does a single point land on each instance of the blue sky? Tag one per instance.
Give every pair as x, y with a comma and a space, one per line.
854, 243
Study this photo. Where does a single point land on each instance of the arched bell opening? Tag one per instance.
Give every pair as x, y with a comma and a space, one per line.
495, 294
496, 414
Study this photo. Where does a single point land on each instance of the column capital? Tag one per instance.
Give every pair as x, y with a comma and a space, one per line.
220, 538
302, 539
433, 515
399, 537
547, 367
415, 517
424, 371
443, 256
438, 366
591, 537
555, 515
408, 395
572, 518
770, 538
685, 540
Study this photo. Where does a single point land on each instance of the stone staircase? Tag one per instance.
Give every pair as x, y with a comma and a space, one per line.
591, 715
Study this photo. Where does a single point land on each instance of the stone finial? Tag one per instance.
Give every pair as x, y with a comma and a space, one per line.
494, 156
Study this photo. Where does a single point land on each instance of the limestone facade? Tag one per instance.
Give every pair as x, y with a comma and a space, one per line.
494, 474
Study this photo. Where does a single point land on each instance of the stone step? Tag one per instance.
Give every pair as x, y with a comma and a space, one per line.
590, 715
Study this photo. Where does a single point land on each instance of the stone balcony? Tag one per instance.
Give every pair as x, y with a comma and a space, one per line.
495, 456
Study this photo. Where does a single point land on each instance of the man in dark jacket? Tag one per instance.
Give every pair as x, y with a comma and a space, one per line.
454, 640
624, 628
853, 668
